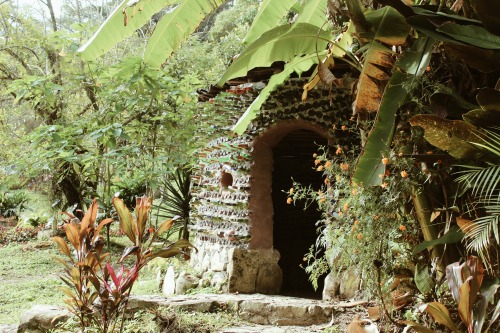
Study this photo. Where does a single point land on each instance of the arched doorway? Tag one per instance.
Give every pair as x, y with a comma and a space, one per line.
294, 229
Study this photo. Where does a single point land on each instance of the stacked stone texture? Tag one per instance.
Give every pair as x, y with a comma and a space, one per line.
220, 213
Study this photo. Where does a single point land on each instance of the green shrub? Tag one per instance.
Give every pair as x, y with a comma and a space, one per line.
12, 203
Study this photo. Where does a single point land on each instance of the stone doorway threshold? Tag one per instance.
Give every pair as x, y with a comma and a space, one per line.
263, 313
269, 313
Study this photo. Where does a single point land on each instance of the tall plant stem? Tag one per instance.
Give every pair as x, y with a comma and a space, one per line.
423, 214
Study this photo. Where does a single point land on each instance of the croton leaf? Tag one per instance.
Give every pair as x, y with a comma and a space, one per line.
63, 246
440, 314
452, 136
127, 223
89, 218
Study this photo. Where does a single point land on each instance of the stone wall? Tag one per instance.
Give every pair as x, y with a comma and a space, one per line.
224, 224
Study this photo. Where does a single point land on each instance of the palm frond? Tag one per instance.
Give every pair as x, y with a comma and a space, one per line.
478, 235
176, 197
482, 180
485, 185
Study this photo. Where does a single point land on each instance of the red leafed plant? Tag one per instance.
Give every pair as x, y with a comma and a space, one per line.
96, 293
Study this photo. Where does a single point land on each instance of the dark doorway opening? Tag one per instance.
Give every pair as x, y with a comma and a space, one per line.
294, 229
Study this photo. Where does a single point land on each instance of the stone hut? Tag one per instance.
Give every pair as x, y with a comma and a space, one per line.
249, 239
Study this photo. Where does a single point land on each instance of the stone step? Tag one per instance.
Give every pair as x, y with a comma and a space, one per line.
259, 309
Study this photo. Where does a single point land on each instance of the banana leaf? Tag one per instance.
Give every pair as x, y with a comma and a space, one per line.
297, 65
279, 44
411, 65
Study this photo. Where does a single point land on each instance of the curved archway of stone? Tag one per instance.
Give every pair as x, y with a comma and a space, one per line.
283, 152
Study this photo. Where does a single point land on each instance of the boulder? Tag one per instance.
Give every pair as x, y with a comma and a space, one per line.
42, 318
331, 290
269, 279
349, 283
185, 282
244, 266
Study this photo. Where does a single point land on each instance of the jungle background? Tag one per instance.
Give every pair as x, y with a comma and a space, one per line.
416, 192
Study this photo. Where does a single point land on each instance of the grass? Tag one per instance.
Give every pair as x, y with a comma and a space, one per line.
28, 276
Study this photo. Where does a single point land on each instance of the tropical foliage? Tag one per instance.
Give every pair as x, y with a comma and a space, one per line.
89, 274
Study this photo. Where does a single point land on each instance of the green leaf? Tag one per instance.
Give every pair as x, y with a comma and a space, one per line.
423, 279
414, 62
173, 249
454, 235
298, 65
313, 12
423, 24
269, 14
471, 34
452, 136
175, 27
279, 44
482, 118
390, 26
114, 29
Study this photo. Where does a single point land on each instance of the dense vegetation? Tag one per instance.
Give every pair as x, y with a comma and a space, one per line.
418, 196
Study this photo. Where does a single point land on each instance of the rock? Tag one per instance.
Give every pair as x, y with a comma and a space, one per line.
244, 266
168, 287
8, 328
331, 289
218, 280
42, 318
45, 234
269, 279
185, 282
349, 283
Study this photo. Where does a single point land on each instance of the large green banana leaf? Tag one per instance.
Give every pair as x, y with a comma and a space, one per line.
173, 28
120, 24
313, 11
270, 14
370, 169
298, 65
279, 44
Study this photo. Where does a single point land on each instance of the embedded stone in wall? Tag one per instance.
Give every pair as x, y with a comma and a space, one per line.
244, 268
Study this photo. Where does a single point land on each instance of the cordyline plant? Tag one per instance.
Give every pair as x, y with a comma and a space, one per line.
96, 292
